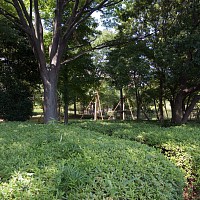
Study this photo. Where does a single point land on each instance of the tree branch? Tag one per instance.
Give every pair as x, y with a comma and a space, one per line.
25, 12
80, 17
38, 26
21, 16
56, 28
111, 43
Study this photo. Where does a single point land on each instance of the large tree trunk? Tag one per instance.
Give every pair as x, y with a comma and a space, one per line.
50, 81
176, 107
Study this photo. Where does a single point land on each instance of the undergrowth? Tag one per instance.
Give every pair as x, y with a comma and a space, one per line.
180, 144
69, 162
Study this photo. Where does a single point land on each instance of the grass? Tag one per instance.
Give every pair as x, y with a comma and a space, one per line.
71, 162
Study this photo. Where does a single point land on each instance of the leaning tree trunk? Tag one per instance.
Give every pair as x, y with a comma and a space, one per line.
190, 108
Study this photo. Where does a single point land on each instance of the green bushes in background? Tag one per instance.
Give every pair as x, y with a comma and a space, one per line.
59, 162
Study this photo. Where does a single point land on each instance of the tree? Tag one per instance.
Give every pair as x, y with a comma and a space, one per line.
173, 29
76, 79
62, 19
128, 68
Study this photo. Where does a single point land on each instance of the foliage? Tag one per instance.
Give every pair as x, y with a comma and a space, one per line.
67, 162
16, 103
181, 144
18, 75
170, 30
17, 60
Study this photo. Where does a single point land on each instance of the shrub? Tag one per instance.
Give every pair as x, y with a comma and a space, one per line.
59, 162
180, 144
15, 102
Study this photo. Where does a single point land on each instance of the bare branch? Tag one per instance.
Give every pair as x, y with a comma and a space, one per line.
75, 57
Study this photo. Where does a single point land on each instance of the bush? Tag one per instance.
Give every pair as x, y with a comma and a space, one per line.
59, 162
180, 144
15, 102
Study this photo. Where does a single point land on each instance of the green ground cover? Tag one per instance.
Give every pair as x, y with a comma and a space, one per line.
71, 162
180, 144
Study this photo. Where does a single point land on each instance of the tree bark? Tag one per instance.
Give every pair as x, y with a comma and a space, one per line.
138, 102
50, 96
156, 110
66, 113
161, 115
190, 108
75, 109
95, 107
122, 117
176, 108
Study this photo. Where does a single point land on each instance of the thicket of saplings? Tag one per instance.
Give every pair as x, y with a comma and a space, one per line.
79, 162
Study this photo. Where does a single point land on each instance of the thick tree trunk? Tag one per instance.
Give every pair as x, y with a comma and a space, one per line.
176, 108
50, 80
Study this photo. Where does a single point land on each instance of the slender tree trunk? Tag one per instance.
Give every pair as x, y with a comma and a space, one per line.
75, 109
165, 106
143, 110
161, 92
138, 104
122, 117
95, 108
66, 113
156, 110
161, 115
